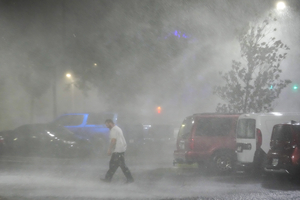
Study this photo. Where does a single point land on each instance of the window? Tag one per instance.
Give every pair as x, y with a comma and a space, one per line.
282, 133
246, 128
213, 126
185, 128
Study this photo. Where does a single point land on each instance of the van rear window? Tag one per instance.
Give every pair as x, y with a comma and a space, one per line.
246, 128
282, 133
213, 126
185, 128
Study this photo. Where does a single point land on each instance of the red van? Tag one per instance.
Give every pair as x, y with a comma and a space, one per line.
208, 138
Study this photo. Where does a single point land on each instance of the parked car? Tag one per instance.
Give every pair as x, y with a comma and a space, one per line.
284, 154
44, 140
208, 138
91, 126
160, 138
88, 126
253, 138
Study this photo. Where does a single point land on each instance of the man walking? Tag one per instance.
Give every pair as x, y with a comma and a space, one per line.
116, 150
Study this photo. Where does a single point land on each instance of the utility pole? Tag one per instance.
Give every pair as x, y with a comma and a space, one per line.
55, 76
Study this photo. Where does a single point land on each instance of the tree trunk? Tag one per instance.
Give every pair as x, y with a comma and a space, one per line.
248, 78
247, 94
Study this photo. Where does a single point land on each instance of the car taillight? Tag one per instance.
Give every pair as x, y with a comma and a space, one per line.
192, 143
258, 138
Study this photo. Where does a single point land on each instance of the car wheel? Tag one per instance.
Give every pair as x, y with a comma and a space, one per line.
99, 146
223, 163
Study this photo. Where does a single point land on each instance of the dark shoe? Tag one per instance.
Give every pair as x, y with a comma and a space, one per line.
129, 181
105, 180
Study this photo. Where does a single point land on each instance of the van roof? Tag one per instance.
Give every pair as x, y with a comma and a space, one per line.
290, 123
235, 115
270, 114
217, 114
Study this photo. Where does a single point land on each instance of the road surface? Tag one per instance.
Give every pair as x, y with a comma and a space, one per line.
155, 178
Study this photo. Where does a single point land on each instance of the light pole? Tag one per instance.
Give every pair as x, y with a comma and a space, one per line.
54, 93
69, 76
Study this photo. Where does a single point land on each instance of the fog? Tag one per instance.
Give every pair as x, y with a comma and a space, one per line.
80, 180
147, 54
131, 56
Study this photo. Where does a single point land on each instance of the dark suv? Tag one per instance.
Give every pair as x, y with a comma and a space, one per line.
284, 154
208, 138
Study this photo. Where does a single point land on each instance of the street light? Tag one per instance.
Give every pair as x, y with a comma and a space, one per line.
280, 5
68, 75
158, 109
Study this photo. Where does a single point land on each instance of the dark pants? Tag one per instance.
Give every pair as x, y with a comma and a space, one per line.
117, 160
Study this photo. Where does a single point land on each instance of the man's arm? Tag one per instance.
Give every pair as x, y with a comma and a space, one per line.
112, 146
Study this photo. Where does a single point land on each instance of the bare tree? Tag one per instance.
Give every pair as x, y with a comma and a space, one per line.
253, 85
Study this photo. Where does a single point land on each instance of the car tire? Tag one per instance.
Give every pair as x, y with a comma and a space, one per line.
222, 163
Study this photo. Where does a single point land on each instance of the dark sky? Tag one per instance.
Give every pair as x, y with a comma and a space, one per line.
148, 53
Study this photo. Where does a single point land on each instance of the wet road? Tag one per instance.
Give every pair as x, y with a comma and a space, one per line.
155, 178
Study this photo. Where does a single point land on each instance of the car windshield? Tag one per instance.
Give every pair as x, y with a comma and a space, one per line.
51, 130
60, 132
30, 128
246, 128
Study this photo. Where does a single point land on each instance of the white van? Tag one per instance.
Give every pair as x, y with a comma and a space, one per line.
253, 137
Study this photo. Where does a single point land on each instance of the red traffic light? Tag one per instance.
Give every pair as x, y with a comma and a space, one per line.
158, 109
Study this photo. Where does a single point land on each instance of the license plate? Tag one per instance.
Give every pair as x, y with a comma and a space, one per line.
275, 162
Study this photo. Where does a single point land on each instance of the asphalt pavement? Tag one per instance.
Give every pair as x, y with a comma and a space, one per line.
155, 178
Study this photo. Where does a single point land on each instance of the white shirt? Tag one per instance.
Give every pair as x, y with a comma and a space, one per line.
117, 134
